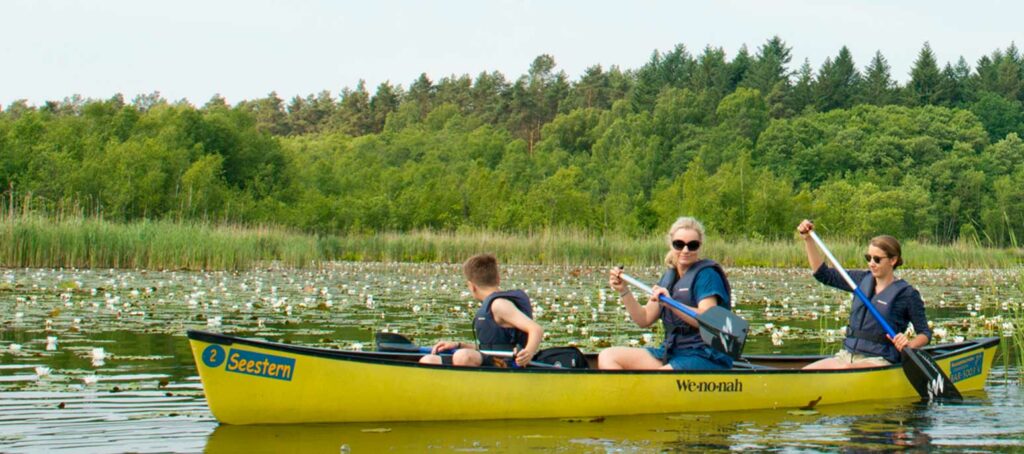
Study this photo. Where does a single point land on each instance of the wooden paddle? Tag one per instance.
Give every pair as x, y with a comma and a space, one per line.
719, 327
926, 376
394, 342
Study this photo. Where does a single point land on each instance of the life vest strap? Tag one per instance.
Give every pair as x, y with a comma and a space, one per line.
866, 335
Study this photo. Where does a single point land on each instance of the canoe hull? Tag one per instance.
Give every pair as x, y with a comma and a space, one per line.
254, 382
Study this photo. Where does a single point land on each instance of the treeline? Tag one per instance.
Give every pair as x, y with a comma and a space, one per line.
747, 144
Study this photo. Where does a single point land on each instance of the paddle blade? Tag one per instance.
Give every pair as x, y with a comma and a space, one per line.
928, 379
724, 331
401, 348
391, 340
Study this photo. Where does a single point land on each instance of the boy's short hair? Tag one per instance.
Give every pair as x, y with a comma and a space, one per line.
482, 270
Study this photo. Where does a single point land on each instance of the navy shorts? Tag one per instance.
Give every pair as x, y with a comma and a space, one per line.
699, 358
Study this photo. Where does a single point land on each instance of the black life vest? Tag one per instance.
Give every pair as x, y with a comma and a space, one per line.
679, 334
490, 335
864, 334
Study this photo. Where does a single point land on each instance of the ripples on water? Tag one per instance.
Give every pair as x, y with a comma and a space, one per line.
97, 361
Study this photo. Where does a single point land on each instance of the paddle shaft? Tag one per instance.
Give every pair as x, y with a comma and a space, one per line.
663, 298
486, 352
856, 289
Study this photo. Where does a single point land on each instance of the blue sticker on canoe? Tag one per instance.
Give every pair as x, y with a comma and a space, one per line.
965, 368
213, 356
260, 364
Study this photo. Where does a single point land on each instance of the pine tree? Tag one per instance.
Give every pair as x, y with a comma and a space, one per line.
878, 88
422, 93
924, 78
384, 101
738, 68
769, 66
838, 82
802, 94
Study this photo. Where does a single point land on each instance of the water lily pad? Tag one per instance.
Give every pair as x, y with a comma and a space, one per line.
689, 417
802, 412
377, 430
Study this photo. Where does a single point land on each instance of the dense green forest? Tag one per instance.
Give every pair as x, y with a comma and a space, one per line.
750, 145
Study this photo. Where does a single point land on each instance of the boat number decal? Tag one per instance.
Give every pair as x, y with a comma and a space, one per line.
694, 386
965, 368
214, 356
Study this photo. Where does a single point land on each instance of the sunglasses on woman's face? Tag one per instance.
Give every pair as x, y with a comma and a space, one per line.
680, 244
874, 258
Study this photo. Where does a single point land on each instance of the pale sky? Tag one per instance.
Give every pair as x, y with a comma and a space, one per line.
194, 49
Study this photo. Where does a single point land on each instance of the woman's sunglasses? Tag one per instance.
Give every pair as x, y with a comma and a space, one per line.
874, 258
680, 244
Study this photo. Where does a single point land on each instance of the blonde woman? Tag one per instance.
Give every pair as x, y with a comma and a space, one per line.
698, 283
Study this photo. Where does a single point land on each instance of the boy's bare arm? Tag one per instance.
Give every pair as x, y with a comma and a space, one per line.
507, 314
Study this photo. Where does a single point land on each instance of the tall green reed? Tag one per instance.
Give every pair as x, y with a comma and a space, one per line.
34, 241
81, 241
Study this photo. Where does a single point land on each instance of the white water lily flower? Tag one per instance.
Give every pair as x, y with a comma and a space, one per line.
51, 343
1008, 328
777, 338
14, 348
42, 371
90, 379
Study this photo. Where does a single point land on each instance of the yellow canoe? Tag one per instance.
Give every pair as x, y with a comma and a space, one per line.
256, 382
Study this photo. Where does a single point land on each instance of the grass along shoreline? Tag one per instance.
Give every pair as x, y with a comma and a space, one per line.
41, 242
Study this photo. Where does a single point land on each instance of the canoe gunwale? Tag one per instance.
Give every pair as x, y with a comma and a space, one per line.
754, 364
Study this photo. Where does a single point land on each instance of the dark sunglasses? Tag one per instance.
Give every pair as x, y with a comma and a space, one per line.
874, 258
680, 244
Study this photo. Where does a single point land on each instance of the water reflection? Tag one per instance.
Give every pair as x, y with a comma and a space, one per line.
848, 428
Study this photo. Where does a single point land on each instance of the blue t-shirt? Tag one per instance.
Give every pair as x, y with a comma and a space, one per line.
710, 283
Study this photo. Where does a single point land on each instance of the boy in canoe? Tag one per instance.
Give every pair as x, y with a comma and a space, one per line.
503, 322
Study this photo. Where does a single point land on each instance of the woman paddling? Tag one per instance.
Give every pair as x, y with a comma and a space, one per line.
700, 284
866, 343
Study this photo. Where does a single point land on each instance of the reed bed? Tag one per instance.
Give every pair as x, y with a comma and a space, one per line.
31, 241
583, 248
90, 242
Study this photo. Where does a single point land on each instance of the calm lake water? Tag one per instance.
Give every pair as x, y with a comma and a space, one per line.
97, 360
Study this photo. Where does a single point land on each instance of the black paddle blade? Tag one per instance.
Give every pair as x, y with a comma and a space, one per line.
724, 331
928, 379
399, 348
393, 341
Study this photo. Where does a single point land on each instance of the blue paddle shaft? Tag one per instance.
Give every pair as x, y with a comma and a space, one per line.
856, 290
663, 298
